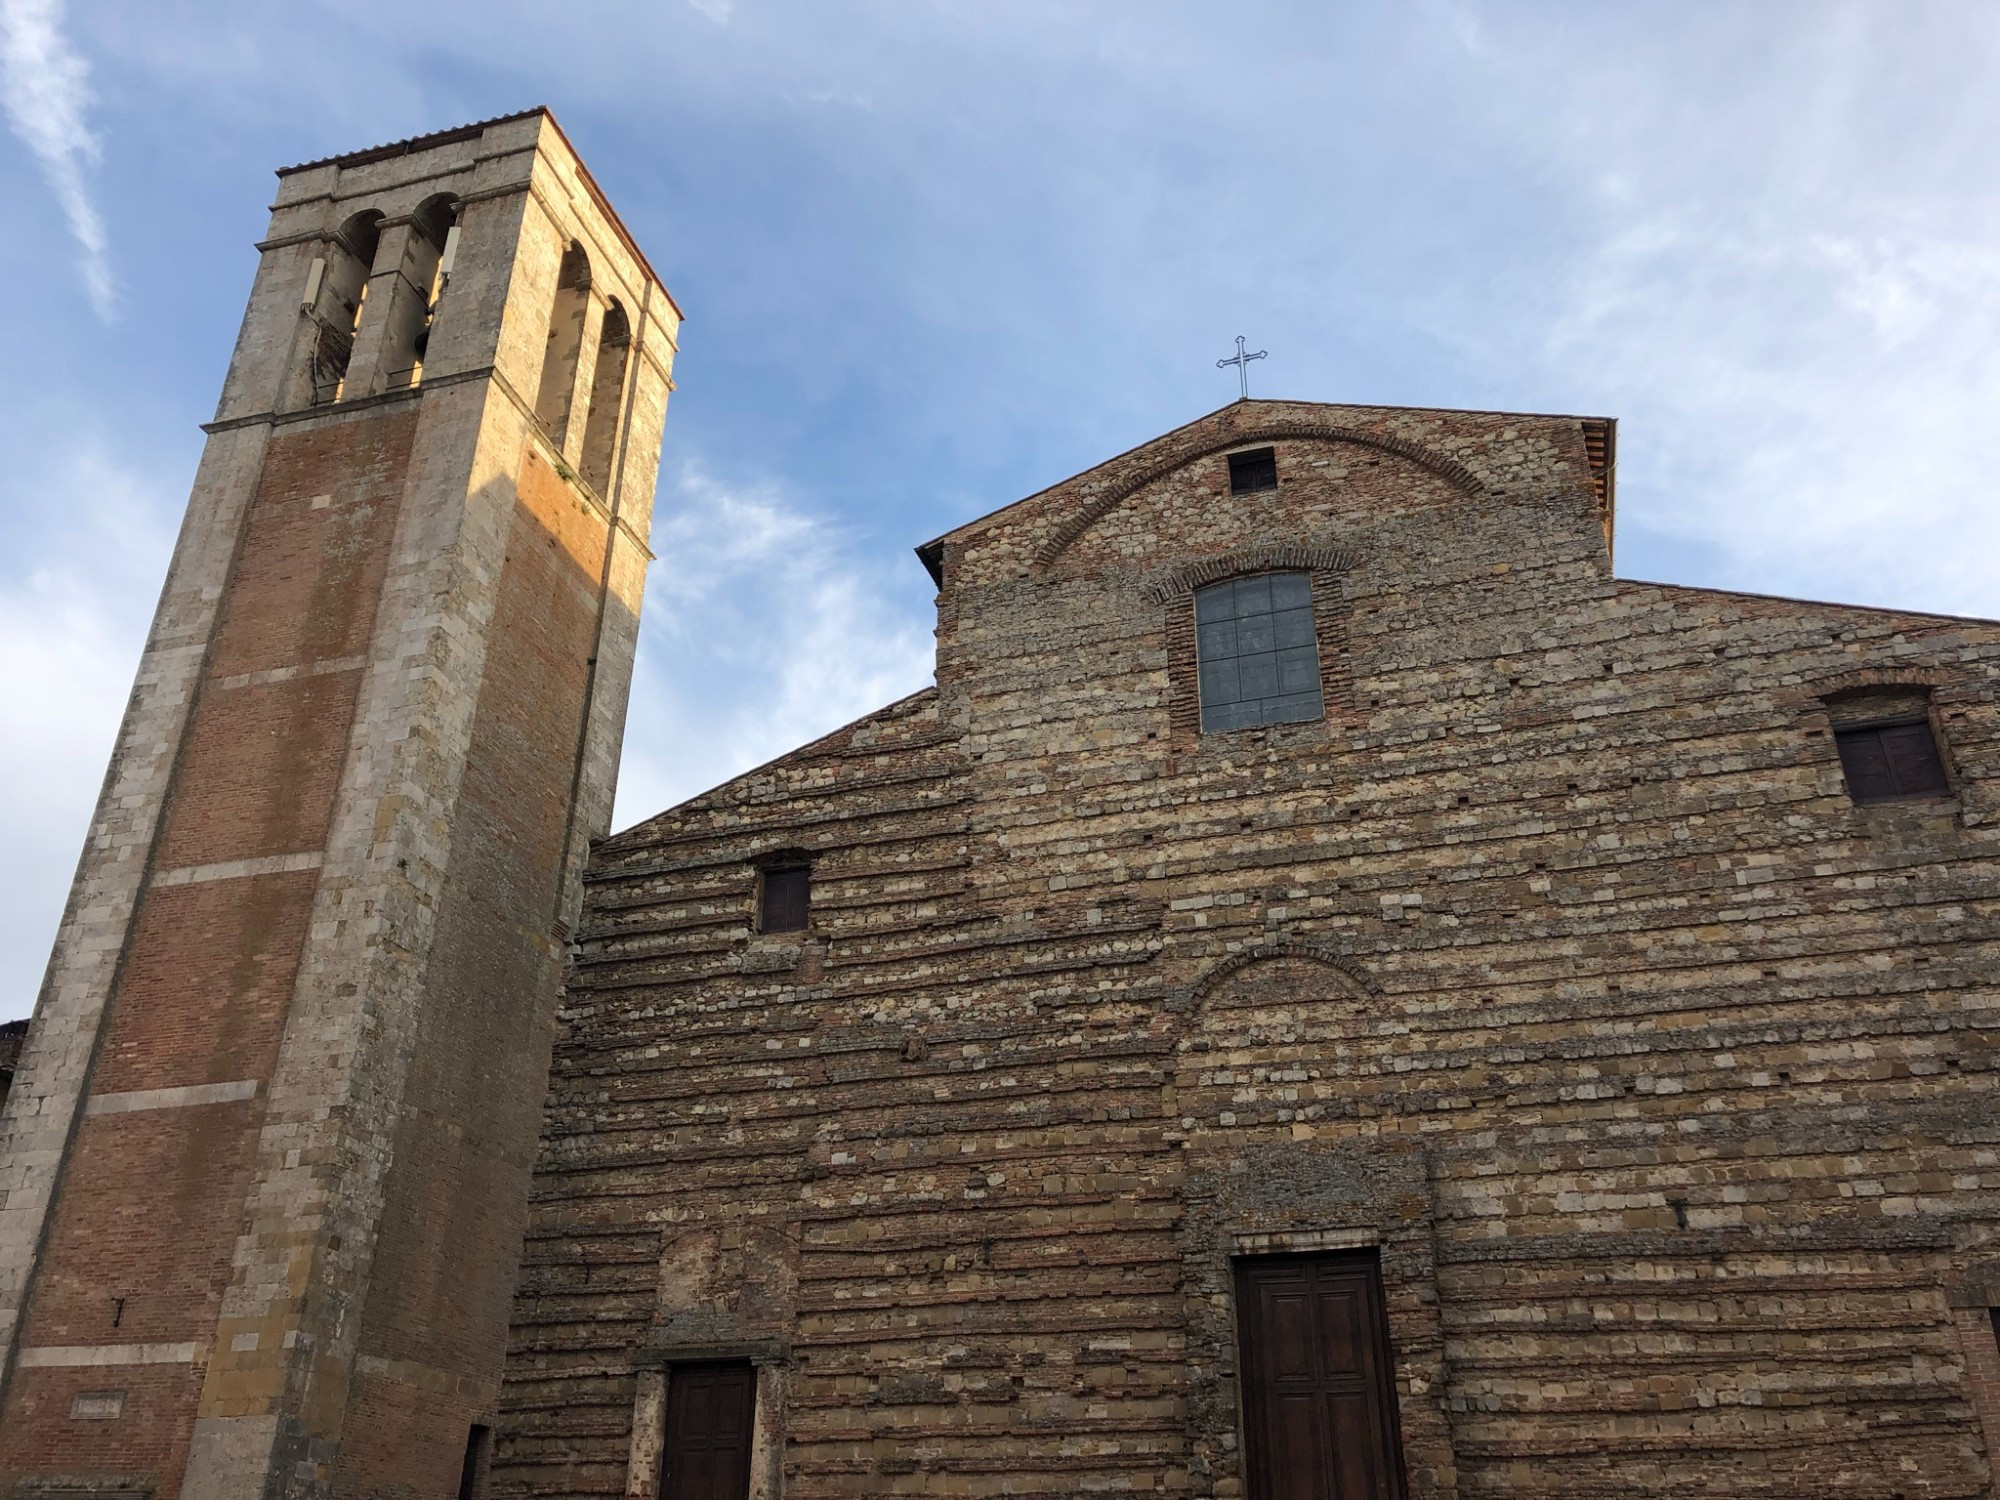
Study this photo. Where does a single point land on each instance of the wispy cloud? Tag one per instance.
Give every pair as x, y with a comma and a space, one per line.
44, 84
717, 11
828, 98
1808, 395
765, 626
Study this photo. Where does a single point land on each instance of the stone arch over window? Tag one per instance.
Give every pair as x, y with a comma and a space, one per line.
607, 396
336, 289
1269, 1038
1103, 503
556, 391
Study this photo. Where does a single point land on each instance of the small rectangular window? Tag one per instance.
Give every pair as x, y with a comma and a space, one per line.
1888, 762
1253, 471
782, 907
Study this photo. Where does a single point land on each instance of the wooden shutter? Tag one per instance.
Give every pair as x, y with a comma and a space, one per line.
1883, 762
709, 1413
1253, 471
786, 893
1319, 1411
1913, 759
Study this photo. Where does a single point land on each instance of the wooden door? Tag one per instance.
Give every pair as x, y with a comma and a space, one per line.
707, 1451
1319, 1414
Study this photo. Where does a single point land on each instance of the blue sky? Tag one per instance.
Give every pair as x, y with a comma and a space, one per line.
937, 254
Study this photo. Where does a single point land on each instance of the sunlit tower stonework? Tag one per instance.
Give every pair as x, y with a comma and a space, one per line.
266, 1152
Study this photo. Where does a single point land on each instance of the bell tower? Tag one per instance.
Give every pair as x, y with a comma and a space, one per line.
263, 1168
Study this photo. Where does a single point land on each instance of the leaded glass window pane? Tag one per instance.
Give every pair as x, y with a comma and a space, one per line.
1257, 656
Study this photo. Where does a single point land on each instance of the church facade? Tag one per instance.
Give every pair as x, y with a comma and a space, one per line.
1333, 993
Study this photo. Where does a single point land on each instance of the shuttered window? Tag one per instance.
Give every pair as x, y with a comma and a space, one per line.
1256, 652
1253, 471
783, 900
1888, 762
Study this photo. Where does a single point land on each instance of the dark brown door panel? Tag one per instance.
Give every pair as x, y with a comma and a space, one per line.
1319, 1412
710, 1409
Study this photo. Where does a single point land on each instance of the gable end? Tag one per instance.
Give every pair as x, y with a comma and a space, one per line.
1447, 469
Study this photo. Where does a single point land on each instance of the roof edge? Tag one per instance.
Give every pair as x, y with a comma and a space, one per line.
935, 546
409, 144
1797, 602
618, 838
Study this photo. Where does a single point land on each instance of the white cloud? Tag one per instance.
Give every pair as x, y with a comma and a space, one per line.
765, 626
717, 11
44, 84
1767, 247
828, 98
70, 635
1809, 392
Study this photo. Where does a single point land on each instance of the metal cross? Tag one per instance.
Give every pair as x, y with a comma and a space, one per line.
1242, 363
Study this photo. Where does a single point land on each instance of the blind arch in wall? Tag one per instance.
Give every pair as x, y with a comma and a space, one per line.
607, 396
557, 388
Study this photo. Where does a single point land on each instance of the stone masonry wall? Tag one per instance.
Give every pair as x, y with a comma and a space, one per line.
1556, 964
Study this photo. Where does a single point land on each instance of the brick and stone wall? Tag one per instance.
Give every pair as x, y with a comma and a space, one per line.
1556, 964
262, 1180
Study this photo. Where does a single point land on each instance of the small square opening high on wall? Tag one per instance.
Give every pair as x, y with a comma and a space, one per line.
1253, 470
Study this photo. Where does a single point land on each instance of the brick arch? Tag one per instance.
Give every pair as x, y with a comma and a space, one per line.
1356, 979
1268, 558
1864, 678
1447, 469
1913, 676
